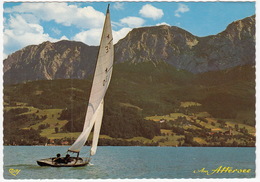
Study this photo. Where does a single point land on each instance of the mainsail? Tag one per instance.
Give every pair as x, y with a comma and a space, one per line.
100, 84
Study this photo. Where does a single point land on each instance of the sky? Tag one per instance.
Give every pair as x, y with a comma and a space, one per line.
27, 23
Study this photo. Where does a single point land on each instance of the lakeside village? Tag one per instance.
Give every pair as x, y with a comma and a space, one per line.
176, 129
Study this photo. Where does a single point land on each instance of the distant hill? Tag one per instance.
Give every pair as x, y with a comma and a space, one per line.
224, 94
68, 59
139, 91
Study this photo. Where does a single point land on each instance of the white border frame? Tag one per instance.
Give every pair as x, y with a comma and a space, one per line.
145, 180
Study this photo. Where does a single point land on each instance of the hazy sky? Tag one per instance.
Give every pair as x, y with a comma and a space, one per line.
33, 23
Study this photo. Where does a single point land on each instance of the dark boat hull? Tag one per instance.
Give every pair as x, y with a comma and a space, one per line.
74, 163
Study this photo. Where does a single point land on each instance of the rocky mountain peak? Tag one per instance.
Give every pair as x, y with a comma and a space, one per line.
241, 31
232, 47
157, 43
63, 59
69, 59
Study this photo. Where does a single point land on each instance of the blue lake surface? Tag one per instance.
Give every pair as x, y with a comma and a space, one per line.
113, 162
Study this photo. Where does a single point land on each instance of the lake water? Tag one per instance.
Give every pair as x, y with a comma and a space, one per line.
132, 162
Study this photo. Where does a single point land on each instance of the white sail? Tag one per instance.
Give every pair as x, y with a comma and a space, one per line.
100, 84
97, 128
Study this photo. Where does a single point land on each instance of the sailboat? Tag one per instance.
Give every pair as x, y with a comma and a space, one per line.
101, 80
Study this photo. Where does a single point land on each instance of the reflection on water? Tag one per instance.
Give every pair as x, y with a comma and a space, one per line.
130, 162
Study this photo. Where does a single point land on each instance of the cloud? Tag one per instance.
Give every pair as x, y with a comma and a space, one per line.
119, 6
24, 24
62, 13
182, 8
132, 22
93, 36
89, 37
56, 31
120, 34
19, 33
163, 23
149, 11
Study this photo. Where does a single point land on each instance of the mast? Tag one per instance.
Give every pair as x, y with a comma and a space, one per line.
101, 80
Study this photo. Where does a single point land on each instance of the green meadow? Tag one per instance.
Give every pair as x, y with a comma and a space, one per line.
144, 105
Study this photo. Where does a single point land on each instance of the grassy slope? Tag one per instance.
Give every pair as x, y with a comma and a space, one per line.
151, 89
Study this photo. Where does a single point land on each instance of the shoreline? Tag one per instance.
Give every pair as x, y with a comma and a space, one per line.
134, 146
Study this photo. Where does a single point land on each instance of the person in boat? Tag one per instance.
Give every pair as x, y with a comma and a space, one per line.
67, 159
58, 159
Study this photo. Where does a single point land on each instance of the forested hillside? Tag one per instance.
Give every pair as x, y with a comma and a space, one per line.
137, 92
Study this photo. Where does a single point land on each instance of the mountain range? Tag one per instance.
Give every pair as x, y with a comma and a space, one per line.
235, 46
201, 87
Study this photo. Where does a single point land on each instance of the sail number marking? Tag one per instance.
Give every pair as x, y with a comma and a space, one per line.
108, 47
107, 78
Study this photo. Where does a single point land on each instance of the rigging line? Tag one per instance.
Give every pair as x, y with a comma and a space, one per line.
109, 68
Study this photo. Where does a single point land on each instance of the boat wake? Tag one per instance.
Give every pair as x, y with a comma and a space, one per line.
90, 164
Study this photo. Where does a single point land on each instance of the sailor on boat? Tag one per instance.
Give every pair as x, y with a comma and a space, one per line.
58, 159
67, 159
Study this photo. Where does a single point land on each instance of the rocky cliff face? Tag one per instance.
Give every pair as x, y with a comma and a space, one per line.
67, 59
64, 59
232, 47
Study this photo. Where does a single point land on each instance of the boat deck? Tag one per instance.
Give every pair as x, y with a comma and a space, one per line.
73, 163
